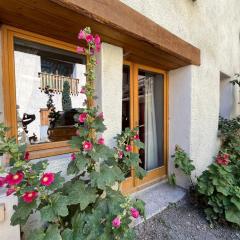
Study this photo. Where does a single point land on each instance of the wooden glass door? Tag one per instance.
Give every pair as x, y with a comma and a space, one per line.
145, 107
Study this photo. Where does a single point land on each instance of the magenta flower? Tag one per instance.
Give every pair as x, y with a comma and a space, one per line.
128, 148
116, 222
223, 159
83, 90
73, 156
136, 137
2, 181
28, 197
98, 47
101, 140
87, 146
14, 179
134, 212
89, 38
97, 39
80, 50
10, 191
82, 117
81, 35
47, 179
100, 115
27, 156
120, 154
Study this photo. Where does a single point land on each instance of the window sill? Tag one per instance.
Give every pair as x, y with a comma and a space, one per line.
49, 149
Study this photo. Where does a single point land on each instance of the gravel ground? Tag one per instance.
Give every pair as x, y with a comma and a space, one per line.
183, 221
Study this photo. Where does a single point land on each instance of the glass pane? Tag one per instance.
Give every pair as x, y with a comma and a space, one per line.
151, 97
48, 83
126, 97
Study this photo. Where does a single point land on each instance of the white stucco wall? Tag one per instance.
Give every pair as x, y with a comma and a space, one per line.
212, 26
109, 89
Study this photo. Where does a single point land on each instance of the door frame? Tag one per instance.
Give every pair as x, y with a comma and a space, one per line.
133, 184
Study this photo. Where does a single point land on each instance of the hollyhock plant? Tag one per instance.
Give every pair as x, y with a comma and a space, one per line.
80, 50
10, 191
100, 115
223, 159
14, 179
120, 154
134, 212
97, 39
2, 181
47, 179
136, 137
81, 35
82, 117
28, 197
116, 222
128, 148
89, 38
73, 156
101, 140
87, 146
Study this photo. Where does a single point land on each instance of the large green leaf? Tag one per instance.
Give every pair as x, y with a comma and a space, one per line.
67, 234
53, 233
82, 194
233, 215
106, 177
22, 212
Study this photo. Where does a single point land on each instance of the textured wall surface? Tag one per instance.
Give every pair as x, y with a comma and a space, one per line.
109, 89
212, 26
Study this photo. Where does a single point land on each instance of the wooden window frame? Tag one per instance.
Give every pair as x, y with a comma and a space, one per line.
9, 87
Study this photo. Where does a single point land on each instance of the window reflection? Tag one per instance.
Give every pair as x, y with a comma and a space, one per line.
48, 84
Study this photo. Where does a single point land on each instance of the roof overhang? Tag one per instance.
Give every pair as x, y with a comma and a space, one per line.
143, 40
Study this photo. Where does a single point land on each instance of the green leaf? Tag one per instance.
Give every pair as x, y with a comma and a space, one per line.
58, 182
106, 177
22, 212
233, 215
82, 194
58, 207
139, 144
37, 234
81, 162
67, 234
53, 233
236, 202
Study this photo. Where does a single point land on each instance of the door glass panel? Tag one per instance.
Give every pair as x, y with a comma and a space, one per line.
151, 112
126, 97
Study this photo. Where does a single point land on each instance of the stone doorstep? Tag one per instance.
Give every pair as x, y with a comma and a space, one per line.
157, 198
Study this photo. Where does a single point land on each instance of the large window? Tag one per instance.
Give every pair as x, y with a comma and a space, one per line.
43, 80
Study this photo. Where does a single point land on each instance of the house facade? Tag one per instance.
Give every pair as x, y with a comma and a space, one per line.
164, 66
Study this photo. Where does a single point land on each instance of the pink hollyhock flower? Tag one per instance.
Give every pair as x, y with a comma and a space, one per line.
223, 159
27, 156
83, 90
10, 191
101, 140
2, 181
87, 146
116, 222
73, 156
82, 117
136, 137
47, 179
100, 115
128, 148
98, 47
134, 212
14, 179
97, 39
81, 35
120, 154
89, 38
80, 49
28, 197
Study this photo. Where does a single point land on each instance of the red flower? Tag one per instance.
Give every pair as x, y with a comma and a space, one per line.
101, 140
89, 38
134, 212
82, 117
14, 179
2, 181
10, 191
223, 159
87, 146
47, 179
28, 197
97, 39
27, 156
128, 148
120, 154
136, 137
73, 156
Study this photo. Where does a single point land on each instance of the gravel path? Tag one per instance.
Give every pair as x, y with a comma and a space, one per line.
183, 221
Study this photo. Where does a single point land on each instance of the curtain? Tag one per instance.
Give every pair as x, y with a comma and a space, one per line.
151, 147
